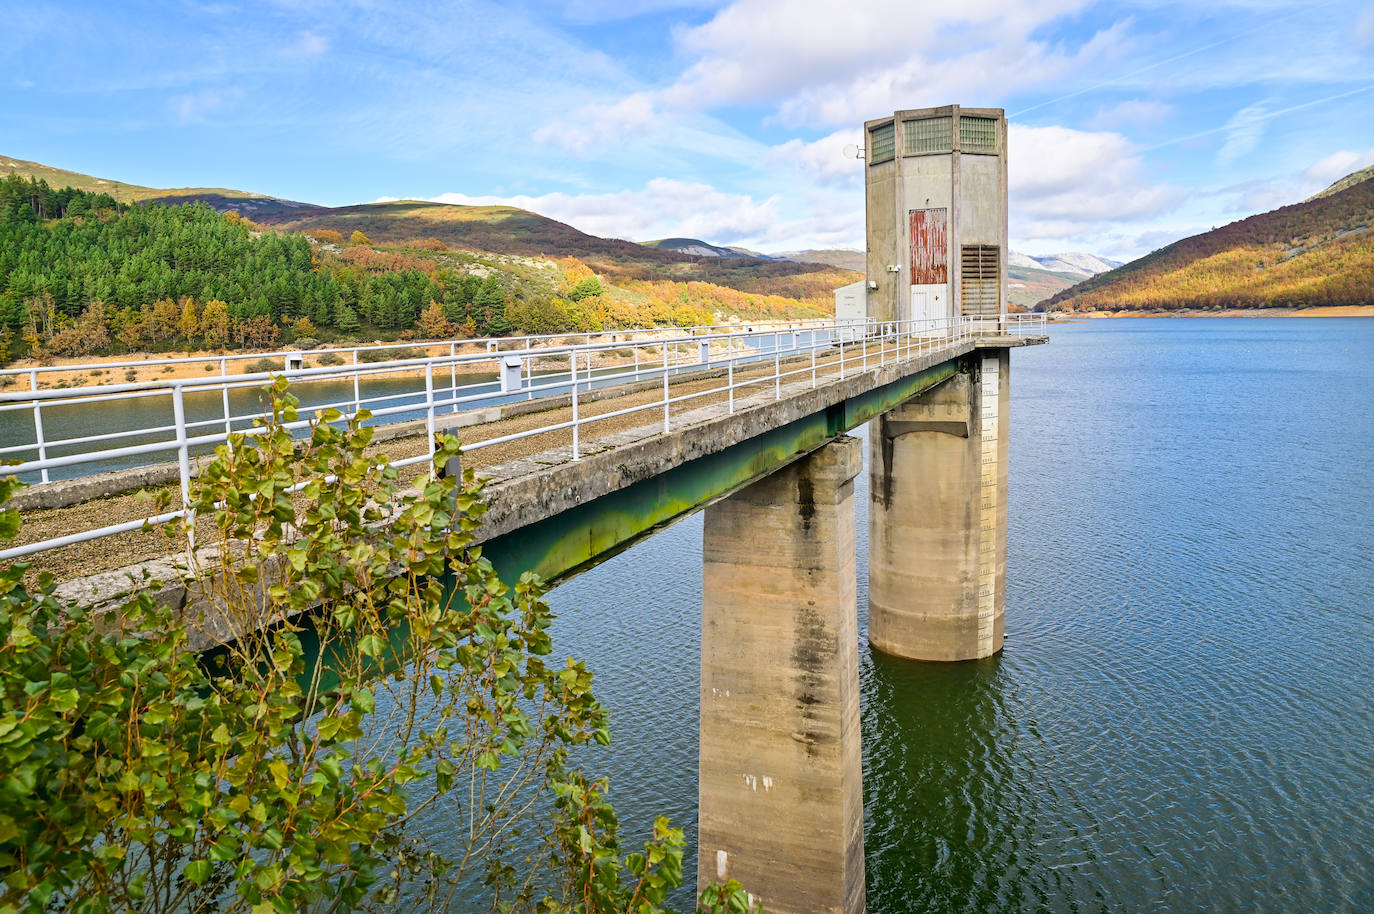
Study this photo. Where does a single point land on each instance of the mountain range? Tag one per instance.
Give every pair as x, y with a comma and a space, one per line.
487, 229
1317, 252
1030, 279
508, 230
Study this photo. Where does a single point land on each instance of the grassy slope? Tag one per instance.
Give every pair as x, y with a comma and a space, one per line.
1028, 287
125, 193
1319, 252
1349, 180
835, 257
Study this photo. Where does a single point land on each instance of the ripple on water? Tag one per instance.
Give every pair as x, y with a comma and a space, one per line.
1181, 718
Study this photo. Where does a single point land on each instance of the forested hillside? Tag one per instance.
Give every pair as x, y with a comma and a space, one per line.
1319, 252
83, 274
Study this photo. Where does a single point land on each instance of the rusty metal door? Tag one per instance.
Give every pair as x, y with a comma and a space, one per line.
929, 251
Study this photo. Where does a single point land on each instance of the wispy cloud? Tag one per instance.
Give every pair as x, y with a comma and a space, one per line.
1135, 113
196, 107
309, 44
1243, 132
1364, 27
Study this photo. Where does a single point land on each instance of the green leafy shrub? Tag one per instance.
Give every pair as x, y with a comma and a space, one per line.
371, 668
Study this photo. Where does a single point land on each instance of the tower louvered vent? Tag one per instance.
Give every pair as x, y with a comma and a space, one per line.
980, 280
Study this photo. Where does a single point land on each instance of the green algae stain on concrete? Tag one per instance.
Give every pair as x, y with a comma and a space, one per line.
579, 538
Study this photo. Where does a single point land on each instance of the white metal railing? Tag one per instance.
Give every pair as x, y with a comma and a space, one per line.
754, 357
287, 357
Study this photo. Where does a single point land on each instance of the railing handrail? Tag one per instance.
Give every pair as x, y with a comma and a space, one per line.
487, 341
880, 340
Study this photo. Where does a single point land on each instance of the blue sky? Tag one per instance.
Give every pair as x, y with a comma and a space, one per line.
1133, 123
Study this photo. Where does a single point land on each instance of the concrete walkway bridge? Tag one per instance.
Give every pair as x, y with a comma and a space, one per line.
593, 442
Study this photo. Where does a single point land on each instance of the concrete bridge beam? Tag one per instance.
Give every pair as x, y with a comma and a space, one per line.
938, 517
781, 781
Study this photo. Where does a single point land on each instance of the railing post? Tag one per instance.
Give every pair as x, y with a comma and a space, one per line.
184, 466
38, 433
576, 442
777, 369
842, 356
730, 371
665, 395
357, 398
224, 394
454, 465
453, 374
429, 412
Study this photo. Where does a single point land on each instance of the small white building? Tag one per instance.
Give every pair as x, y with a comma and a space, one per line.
851, 301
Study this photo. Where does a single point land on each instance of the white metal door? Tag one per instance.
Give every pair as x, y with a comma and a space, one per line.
920, 307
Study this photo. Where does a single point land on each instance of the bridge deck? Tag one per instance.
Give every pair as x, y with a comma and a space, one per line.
553, 514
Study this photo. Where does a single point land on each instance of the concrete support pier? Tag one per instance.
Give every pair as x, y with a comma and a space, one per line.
781, 778
938, 517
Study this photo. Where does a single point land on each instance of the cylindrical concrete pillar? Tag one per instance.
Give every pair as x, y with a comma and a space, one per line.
781, 777
937, 518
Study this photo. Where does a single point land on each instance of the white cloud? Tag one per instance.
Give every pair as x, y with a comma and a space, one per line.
822, 161
1068, 183
607, 124
807, 53
821, 63
1338, 165
981, 73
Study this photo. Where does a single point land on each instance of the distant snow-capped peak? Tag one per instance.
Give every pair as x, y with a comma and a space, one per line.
1077, 263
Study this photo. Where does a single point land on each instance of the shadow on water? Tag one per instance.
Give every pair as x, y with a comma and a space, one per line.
943, 807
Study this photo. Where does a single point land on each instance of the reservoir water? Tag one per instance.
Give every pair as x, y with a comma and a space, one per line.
1181, 719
